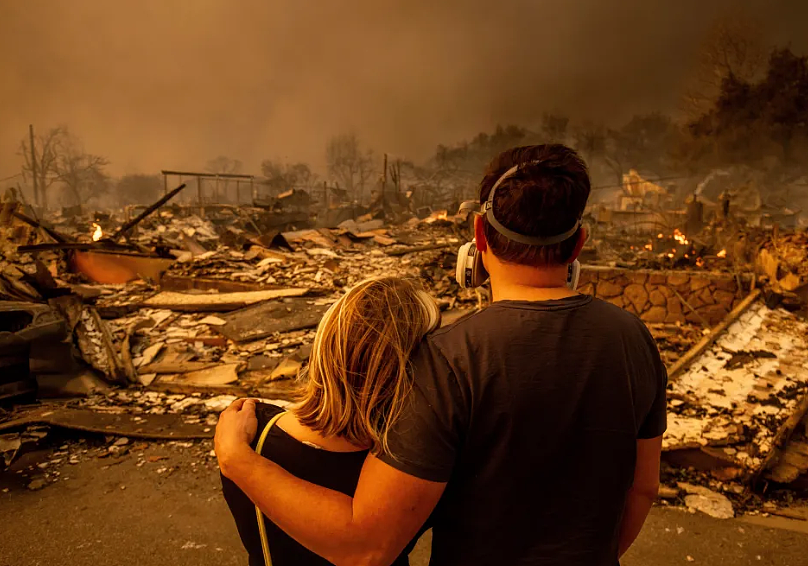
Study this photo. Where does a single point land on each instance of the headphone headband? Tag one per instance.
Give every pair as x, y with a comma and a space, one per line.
488, 210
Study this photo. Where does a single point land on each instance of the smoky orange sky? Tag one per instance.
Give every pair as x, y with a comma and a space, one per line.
154, 84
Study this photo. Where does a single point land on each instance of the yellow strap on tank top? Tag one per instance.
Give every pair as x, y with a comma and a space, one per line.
262, 529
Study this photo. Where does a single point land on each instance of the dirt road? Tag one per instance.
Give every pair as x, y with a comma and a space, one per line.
160, 504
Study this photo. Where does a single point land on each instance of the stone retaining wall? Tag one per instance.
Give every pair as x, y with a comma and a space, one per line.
659, 296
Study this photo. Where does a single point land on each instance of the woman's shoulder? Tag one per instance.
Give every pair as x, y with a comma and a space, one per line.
264, 412
334, 470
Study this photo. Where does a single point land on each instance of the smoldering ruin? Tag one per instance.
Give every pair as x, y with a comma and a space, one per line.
135, 306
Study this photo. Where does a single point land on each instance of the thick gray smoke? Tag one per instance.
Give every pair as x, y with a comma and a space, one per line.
172, 83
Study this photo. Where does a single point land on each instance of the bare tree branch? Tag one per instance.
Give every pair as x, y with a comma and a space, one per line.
81, 173
733, 47
46, 149
348, 164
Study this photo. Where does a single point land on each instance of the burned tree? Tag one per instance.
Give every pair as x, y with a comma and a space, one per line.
348, 164
301, 174
40, 161
752, 123
82, 174
58, 157
733, 48
283, 176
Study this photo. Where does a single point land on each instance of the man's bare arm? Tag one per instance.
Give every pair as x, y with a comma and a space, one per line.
372, 528
643, 492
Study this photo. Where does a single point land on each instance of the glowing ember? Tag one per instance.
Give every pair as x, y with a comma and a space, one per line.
670, 256
435, 216
660, 236
649, 247
722, 253
699, 262
679, 237
98, 234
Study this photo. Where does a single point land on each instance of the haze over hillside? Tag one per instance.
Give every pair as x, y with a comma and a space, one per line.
155, 83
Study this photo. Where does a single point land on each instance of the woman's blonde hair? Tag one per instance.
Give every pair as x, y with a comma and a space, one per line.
357, 375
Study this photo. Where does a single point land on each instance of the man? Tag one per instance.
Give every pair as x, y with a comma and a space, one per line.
536, 422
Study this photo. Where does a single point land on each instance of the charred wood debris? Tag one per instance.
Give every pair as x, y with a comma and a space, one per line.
143, 324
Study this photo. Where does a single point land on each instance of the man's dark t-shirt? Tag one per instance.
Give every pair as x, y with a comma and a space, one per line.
531, 411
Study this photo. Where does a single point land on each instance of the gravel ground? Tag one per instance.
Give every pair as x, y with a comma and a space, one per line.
159, 503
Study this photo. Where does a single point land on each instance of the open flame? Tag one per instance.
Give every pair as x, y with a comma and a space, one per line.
98, 233
677, 246
436, 216
679, 237
722, 253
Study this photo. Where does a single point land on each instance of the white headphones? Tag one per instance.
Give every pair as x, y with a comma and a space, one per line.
470, 271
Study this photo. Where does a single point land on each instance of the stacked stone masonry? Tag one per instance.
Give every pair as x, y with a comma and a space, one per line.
665, 296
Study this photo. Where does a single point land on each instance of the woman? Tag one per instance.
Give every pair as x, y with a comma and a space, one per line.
357, 383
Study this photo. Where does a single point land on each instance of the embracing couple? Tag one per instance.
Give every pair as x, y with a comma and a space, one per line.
527, 433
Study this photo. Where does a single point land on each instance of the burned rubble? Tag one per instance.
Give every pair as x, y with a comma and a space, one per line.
734, 409
155, 319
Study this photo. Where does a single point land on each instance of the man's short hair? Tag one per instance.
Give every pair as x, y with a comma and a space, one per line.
540, 199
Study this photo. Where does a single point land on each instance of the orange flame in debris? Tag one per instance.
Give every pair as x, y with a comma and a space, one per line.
679, 237
722, 253
649, 247
699, 262
98, 234
435, 216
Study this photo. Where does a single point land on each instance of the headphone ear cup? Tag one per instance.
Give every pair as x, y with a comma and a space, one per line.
465, 263
479, 273
470, 271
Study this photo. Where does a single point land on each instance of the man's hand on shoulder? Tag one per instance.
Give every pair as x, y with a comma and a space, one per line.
234, 433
